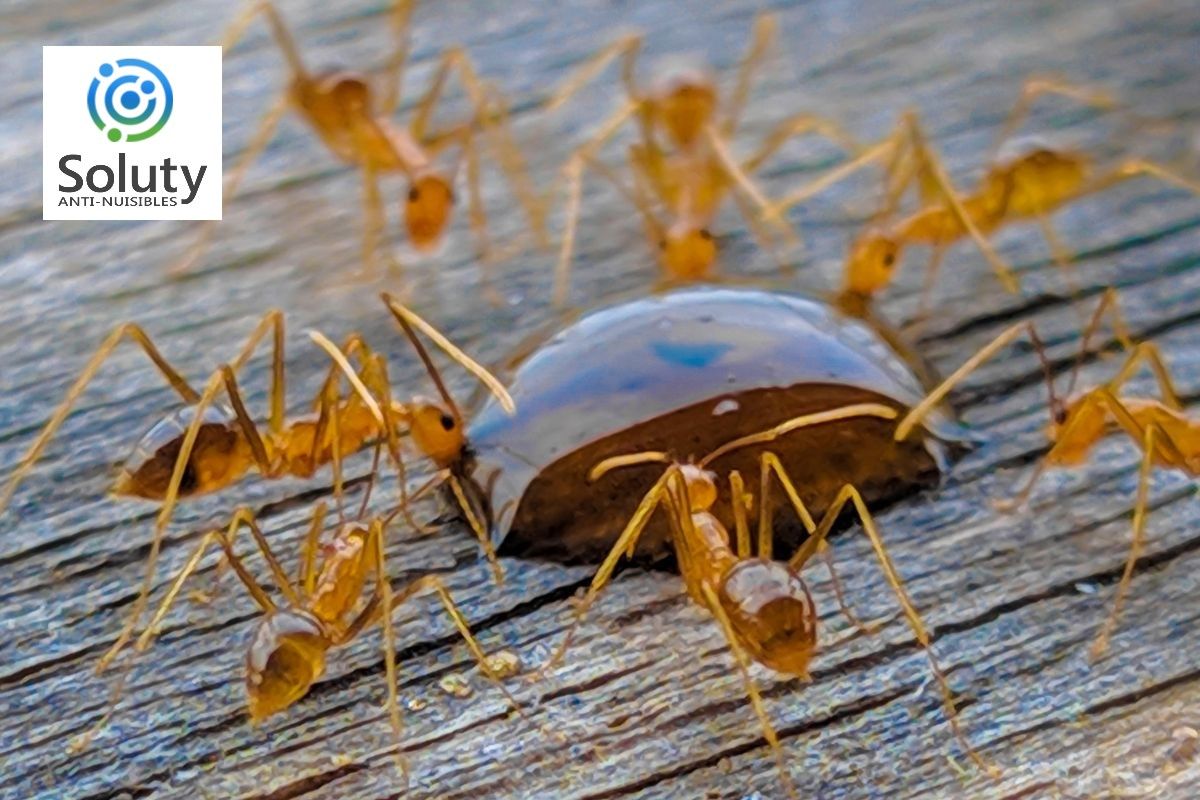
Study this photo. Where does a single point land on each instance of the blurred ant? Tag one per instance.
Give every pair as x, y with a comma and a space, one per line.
356, 128
692, 172
322, 612
762, 604
1029, 185
1161, 428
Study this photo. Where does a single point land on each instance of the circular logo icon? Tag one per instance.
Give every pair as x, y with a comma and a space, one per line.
131, 101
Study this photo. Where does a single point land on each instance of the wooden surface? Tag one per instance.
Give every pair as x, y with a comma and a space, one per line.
648, 697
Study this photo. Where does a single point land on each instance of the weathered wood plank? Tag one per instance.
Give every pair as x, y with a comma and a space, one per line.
648, 697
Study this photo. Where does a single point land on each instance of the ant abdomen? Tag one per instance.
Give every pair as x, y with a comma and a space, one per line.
219, 456
772, 613
286, 656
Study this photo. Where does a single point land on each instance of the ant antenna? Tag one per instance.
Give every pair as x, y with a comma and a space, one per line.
409, 320
1058, 409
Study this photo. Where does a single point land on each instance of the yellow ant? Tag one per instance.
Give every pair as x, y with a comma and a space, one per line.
692, 173
1031, 185
1161, 428
762, 605
322, 612
205, 446
342, 109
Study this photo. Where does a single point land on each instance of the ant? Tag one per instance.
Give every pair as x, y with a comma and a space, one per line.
342, 109
762, 605
690, 174
1030, 185
1161, 428
322, 611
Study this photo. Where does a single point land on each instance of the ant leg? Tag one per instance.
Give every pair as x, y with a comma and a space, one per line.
1059, 253
249, 430
851, 494
562, 268
624, 543
835, 175
160, 525
1149, 351
765, 242
931, 166
477, 527
83, 740
743, 664
1138, 541
931, 400
127, 330
802, 421
1108, 302
627, 47
798, 126
771, 464
931, 274
464, 629
307, 579
741, 179
1039, 85
766, 26
393, 71
258, 142
383, 591
740, 501
373, 220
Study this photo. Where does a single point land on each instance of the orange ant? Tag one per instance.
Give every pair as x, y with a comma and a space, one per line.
692, 174
322, 612
762, 604
342, 110
1030, 185
1161, 428
205, 446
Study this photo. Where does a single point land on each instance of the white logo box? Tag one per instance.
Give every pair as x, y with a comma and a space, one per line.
129, 99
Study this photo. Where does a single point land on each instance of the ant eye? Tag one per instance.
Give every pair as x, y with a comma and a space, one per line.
414, 194
889, 259
447, 422
662, 244
451, 197
705, 235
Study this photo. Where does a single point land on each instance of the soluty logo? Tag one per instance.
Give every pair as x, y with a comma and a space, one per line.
131, 101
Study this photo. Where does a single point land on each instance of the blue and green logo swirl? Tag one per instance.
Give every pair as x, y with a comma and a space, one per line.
132, 100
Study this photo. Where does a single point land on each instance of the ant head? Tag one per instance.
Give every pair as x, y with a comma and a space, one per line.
427, 209
1075, 426
351, 93
772, 614
687, 252
872, 262
286, 656
685, 106
701, 487
436, 431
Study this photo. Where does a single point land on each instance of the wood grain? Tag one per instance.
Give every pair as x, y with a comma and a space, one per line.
648, 699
